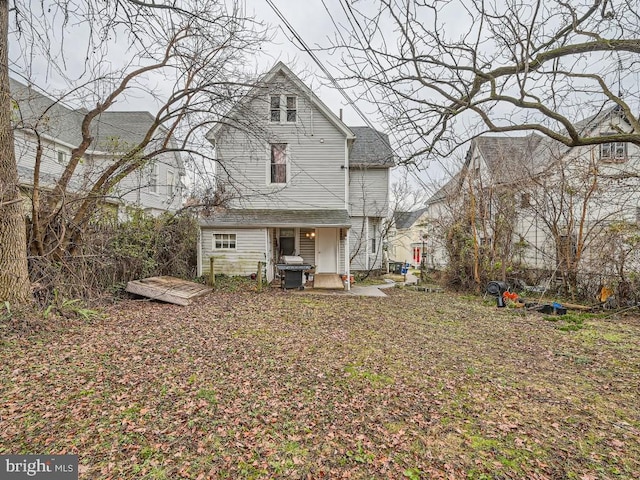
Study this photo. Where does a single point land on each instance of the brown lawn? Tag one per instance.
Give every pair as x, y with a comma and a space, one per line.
284, 385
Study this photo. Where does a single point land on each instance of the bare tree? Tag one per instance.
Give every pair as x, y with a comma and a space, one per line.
188, 60
14, 278
525, 206
444, 72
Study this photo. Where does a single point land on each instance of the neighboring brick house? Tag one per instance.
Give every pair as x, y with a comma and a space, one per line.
301, 182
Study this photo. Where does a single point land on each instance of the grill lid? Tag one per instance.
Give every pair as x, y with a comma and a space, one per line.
292, 260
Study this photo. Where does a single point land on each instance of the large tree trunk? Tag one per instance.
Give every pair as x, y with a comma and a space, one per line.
14, 276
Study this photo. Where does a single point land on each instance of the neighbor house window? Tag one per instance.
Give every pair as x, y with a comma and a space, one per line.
275, 108
614, 151
374, 237
292, 109
525, 200
171, 180
278, 163
225, 241
153, 179
62, 157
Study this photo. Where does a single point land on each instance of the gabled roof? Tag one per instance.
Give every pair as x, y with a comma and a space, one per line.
508, 158
371, 148
277, 218
588, 124
266, 80
57, 121
450, 187
404, 220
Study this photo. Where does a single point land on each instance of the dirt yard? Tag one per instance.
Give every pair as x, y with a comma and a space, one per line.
288, 385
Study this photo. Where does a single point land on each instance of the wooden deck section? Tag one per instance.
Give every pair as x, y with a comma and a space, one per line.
168, 289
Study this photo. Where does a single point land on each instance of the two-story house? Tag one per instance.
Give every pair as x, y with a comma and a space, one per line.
41, 122
300, 181
541, 205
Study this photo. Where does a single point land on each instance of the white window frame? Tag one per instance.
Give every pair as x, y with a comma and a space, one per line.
62, 157
171, 183
294, 109
613, 151
224, 238
154, 177
283, 108
286, 163
272, 109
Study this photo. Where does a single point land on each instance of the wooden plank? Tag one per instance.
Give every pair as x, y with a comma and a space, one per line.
168, 289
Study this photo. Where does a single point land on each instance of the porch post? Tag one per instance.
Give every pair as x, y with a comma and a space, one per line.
347, 265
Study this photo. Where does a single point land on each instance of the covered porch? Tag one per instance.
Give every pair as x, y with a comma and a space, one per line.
320, 237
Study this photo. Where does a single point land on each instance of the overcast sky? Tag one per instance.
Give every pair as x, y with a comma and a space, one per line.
310, 19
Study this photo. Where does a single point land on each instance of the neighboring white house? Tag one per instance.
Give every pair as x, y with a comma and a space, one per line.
563, 199
302, 182
156, 188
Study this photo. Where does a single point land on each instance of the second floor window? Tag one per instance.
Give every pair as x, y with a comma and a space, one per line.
613, 152
171, 181
278, 163
153, 179
62, 157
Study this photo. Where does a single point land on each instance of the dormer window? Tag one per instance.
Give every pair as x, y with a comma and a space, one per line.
613, 152
286, 105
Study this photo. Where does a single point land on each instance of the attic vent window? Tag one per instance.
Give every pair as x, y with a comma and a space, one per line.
275, 108
292, 109
613, 152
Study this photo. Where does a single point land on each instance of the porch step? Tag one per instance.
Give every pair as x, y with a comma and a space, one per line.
328, 281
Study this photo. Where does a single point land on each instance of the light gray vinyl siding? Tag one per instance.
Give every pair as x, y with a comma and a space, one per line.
307, 246
132, 190
360, 244
369, 192
50, 168
250, 249
315, 158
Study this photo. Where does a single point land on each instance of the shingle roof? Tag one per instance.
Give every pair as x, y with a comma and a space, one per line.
277, 218
64, 124
508, 157
404, 220
370, 149
449, 188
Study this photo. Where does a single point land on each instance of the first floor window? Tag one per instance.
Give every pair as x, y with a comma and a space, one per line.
278, 163
224, 241
614, 151
374, 237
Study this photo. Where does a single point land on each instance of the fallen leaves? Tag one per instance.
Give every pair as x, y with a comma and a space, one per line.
280, 385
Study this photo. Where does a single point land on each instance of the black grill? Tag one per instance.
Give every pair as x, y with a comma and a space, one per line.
292, 275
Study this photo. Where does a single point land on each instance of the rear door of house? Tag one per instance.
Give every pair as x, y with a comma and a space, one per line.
326, 250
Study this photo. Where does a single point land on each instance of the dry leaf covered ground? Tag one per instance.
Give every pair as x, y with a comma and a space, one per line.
283, 385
